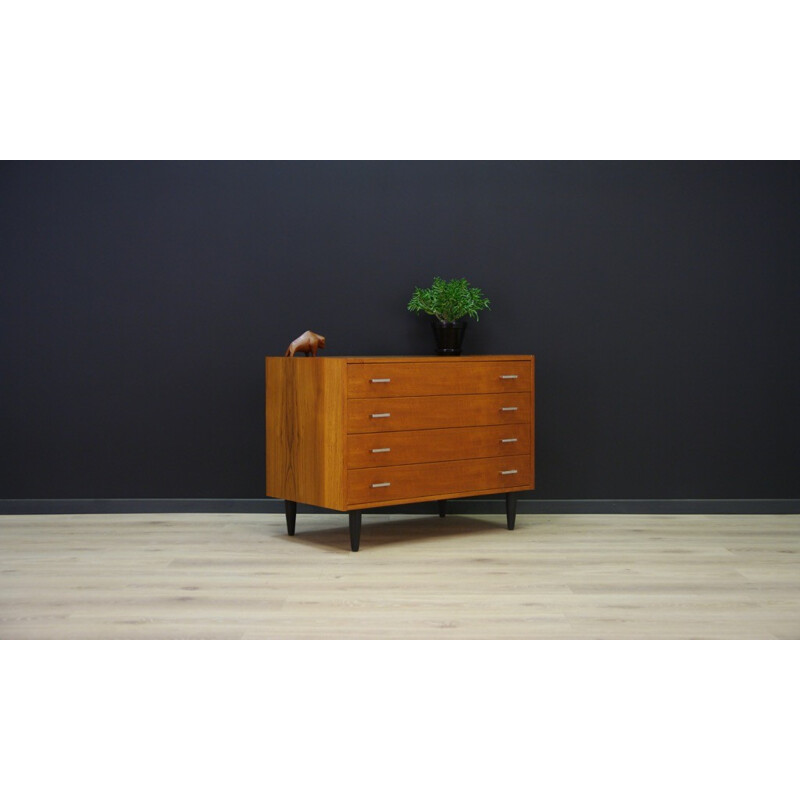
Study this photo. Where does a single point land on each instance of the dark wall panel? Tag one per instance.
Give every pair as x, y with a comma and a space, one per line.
138, 301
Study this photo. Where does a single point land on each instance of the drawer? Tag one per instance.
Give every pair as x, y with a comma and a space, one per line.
440, 377
441, 411
385, 484
445, 444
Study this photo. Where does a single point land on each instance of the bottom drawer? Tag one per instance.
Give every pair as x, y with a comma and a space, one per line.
376, 484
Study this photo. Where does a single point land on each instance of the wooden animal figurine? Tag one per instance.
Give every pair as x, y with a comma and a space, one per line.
306, 343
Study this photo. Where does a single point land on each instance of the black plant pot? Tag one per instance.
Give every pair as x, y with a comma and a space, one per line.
449, 336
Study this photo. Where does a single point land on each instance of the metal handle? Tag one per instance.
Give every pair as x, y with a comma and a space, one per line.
502, 440
381, 449
506, 408
505, 472
380, 380
380, 485
375, 416
508, 377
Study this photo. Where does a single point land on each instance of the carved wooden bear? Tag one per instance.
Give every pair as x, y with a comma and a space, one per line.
306, 343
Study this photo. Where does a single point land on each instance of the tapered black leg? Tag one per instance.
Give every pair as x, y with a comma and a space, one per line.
291, 515
442, 507
355, 530
511, 509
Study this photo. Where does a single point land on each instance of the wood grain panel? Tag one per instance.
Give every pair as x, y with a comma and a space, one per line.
441, 478
533, 422
441, 411
305, 428
445, 444
439, 377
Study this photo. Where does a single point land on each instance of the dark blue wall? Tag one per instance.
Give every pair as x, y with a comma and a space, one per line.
139, 299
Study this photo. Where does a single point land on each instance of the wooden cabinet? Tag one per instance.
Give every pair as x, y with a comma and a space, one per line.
350, 433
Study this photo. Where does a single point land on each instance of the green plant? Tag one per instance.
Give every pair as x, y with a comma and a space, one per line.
448, 301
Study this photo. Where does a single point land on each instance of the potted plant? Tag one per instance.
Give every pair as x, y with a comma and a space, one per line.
449, 302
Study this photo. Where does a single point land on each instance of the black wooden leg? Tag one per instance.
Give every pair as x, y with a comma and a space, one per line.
511, 509
442, 507
291, 515
355, 530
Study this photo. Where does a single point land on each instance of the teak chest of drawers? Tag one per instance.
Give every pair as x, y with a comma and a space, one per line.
350, 433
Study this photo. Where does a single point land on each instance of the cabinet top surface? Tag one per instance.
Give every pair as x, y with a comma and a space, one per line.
397, 359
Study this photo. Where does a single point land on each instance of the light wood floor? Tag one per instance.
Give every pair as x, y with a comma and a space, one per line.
231, 576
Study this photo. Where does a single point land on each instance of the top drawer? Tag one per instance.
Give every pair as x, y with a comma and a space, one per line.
448, 376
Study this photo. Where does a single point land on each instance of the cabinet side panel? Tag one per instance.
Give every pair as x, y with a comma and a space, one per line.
277, 406
303, 445
533, 422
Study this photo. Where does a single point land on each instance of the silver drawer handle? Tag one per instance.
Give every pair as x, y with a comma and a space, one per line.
380, 380
382, 450
504, 441
380, 485
375, 416
507, 472
508, 377
507, 408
